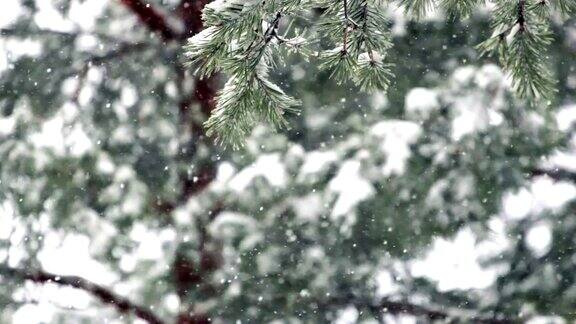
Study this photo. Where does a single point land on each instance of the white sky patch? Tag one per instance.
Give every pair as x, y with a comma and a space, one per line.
399, 319
396, 136
49, 18
546, 320
398, 17
472, 115
386, 284
6, 219
453, 264
420, 102
71, 256
489, 76
150, 242
84, 13
50, 135
34, 313
226, 171
539, 239
227, 224
463, 75
308, 207
549, 194
79, 142
347, 316
105, 165
497, 241
350, 186
317, 161
11, 9
543, 194
518, 205
565, 117
56, 136
268, 166
472, 112
54, 294
172, 302
563, 160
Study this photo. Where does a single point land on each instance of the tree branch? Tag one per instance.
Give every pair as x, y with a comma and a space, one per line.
123, 49
98, 60
397, 308
521, 14
44, 32
122, 304
190, 12
387, 306
204, 94
554, 174
151, 18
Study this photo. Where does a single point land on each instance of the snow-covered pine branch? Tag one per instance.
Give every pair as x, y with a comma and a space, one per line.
350, 39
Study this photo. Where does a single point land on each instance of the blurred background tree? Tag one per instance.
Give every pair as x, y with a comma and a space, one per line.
446, 199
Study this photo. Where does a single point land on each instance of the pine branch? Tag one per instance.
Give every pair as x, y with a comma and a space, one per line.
122, 304
353, 39
520, 39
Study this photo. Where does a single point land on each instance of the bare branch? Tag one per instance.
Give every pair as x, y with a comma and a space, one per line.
122, 304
